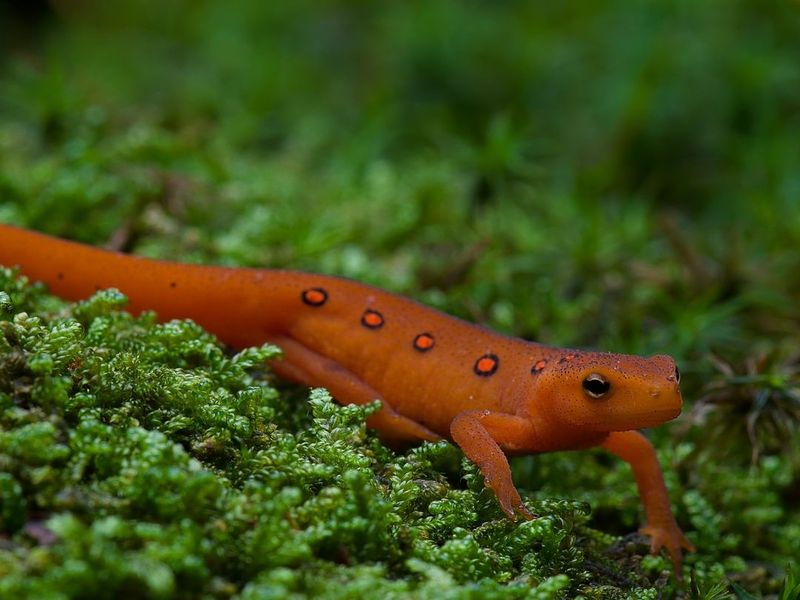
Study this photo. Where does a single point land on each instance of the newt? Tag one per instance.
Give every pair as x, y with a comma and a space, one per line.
436, 376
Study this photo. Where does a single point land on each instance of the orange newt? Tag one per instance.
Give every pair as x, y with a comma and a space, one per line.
437, 376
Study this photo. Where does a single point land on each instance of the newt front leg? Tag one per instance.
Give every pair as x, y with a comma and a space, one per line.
638, 452
483, 436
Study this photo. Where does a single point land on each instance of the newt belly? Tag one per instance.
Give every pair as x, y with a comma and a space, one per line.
437, 376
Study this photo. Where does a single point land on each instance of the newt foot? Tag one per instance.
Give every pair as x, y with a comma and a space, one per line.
511, 502
671, 538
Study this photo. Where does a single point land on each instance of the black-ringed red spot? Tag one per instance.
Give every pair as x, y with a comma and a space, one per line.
372, 319
539, 366
566, 358
486, 365
424, 342
315, 296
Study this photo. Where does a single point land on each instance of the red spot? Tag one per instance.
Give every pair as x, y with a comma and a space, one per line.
539, 366
424, 342
486, 365
567, 358
372, 319
314, 296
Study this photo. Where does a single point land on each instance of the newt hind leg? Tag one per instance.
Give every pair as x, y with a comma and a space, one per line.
302, 365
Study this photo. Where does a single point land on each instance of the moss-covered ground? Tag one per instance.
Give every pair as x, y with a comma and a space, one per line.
614, 175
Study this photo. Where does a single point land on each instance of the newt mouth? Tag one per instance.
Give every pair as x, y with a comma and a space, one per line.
655, 417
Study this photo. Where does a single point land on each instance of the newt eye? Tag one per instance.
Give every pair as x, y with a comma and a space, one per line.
677, 374
596, 386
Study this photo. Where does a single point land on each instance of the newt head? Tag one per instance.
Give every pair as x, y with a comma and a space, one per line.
609, 392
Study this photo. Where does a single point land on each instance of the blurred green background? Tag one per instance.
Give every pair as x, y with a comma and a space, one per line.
613, 174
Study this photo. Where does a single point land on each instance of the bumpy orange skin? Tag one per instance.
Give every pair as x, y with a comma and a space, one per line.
436, 375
